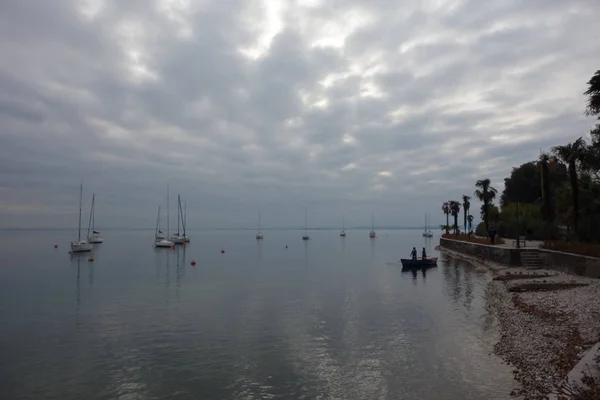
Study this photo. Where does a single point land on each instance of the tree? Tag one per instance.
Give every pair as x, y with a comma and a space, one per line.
446, 210
466, 206
486, 194
547, 195
454, 210
470, 221
571, 154
593, 93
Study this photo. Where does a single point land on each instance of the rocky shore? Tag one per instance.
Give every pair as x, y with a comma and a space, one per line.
548, 320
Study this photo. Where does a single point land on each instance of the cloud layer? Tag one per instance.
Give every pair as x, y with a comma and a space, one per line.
340, 106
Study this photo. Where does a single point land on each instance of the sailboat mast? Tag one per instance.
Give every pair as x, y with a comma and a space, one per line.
157, 222
184, 216
90, 222
343, 223
80, 200
168, 210
372, 222
305, 222
178, 212
258, 219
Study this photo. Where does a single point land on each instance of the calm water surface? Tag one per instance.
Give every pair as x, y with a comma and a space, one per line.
332, 318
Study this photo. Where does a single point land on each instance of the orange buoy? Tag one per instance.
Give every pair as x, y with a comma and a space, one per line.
193, 262
91, 259
56, 246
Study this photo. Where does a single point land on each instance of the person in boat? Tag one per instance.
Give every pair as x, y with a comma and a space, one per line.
424, 254
413, 253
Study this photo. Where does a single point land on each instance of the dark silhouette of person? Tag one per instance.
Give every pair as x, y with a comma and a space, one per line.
424, 254
413, 253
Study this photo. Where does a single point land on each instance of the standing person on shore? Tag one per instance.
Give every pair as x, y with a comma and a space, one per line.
492, 234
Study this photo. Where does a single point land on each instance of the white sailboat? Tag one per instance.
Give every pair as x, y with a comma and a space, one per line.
259, 235
176, 237
305, 237
80, 245
372, 234
426, 229
95, 236
343, 232
160, 239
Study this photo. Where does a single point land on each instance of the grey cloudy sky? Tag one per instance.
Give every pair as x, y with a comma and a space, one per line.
340, 106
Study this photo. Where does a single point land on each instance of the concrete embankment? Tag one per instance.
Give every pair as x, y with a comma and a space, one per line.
546, 332
568, 263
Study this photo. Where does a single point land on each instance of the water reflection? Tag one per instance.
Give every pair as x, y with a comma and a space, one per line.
415, 272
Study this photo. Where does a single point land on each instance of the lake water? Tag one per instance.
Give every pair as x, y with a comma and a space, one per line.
331, 318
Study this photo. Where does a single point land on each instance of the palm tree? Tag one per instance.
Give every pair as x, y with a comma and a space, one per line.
570, 154
446, 210
466, 206
470, 221
593, 92
455, 210
547, 201
486, 194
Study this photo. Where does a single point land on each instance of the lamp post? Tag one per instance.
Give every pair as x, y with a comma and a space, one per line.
518, 241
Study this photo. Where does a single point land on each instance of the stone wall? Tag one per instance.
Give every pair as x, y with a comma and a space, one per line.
500, 255
570, 263
556, 260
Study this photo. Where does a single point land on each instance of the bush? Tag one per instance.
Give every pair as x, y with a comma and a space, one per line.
584, 249
473, 239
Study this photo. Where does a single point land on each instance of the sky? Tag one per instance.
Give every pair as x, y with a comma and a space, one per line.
342, 107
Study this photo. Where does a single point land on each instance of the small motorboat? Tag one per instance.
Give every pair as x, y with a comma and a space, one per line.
419, 262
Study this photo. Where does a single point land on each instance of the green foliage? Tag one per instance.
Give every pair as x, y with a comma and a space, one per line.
593, 93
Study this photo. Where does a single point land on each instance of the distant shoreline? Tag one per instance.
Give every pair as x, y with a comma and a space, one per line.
359, 228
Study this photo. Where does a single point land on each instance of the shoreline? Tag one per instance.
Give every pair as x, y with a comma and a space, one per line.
543, 334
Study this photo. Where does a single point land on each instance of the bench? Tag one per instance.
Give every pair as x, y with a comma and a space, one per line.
521, 241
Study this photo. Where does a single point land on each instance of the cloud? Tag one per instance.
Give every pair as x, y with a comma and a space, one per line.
345, 106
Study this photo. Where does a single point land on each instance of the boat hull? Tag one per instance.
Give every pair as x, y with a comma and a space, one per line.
177, 239
305, 237
163, 243
410, 263
81, 247
95, 240
259, 236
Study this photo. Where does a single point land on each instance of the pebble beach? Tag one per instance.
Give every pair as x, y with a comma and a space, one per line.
547, 320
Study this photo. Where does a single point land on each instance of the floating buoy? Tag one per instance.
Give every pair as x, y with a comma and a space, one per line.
222, 251
193, 262
286, 246
91, 259
56, 246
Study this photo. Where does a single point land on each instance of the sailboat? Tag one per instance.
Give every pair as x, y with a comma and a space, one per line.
372, 234
159, 238
184, 222
80, 245
259, 234
305, 237
176, 237
343, 232
95, 236
426, 230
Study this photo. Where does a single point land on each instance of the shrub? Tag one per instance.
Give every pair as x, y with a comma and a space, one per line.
585, 249
473, 239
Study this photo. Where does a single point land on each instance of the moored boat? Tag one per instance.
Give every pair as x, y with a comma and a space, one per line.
419, 262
